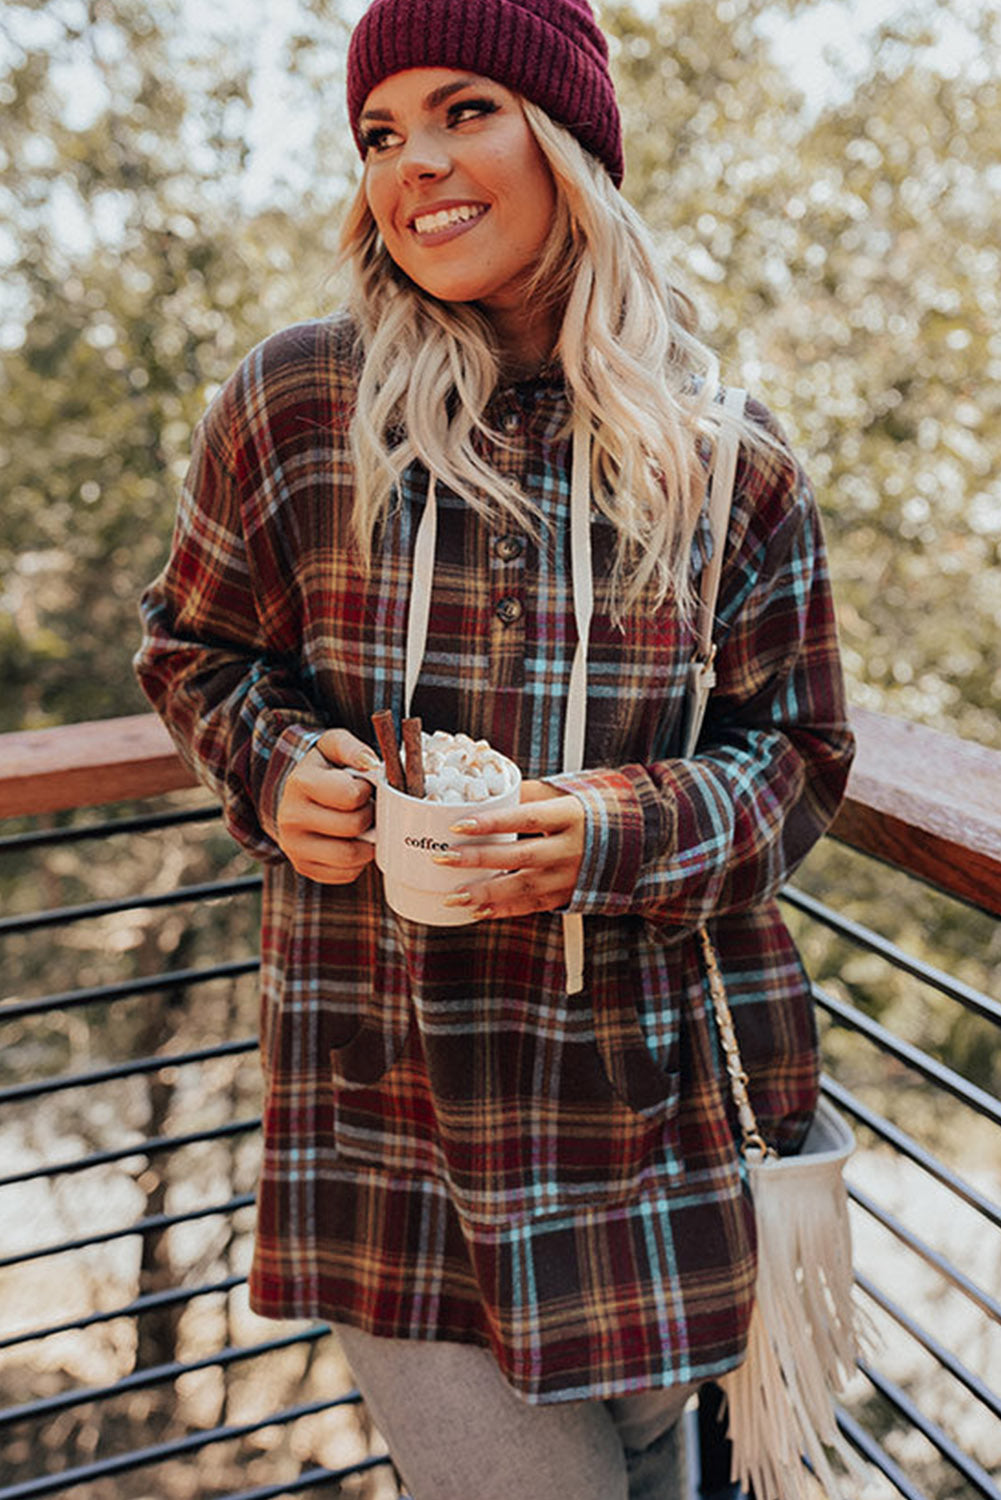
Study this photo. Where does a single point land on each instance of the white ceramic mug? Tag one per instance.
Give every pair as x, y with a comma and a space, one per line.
409, 831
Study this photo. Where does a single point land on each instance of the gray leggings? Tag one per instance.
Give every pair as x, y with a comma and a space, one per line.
457, 1431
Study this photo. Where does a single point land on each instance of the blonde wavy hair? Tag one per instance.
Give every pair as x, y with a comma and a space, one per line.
629, 356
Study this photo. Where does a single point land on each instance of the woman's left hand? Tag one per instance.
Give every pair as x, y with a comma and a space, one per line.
540, 870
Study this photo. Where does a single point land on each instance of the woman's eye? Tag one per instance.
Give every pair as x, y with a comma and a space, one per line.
379, 139
470, 109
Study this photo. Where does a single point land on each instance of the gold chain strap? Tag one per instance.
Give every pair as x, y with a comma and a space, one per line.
753, 1143
701, 682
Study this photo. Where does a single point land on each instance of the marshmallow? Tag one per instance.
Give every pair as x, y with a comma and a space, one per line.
459, 769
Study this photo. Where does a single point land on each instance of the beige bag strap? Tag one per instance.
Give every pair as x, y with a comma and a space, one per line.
752, 1144
801, 1342
703, 679
724, 472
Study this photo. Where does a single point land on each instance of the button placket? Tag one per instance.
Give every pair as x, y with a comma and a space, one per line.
507, 549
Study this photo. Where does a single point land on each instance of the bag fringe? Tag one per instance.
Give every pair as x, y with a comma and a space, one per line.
802, 1343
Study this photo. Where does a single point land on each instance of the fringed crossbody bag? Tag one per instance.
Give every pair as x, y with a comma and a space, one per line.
802, 1344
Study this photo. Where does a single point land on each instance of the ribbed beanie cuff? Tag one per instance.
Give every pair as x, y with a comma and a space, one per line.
549, 51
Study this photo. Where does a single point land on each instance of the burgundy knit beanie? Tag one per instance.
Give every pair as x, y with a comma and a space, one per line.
549, 51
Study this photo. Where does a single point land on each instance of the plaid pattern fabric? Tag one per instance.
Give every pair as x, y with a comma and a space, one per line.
453, 1147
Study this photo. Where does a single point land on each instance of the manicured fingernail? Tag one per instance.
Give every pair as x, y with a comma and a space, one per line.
457, 898
464, 825
483, 911
450, 857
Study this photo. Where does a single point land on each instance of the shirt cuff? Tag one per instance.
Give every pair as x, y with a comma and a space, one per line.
288, 750
616, 838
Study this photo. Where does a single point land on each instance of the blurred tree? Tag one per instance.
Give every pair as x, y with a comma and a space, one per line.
843, 254
845, 259
133, 284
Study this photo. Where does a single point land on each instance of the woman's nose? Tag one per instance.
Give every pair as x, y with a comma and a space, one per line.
422, 159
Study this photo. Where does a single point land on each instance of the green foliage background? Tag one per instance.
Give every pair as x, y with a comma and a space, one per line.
844, 257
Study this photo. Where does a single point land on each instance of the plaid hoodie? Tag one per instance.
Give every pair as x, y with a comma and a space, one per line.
454, 1148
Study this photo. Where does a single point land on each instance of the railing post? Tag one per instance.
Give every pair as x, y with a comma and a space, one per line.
714, 1448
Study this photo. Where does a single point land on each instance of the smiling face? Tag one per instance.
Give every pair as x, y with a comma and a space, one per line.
459, 189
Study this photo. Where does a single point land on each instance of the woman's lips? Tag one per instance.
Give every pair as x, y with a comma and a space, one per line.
436, 224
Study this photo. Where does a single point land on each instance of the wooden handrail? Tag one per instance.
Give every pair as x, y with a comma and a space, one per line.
928, 803
917, 799
88, 765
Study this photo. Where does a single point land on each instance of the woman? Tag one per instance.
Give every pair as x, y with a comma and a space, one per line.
504, 1165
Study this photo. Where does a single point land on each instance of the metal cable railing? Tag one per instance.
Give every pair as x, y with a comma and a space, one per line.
912, 1413
27, 1415
150, 1224
187, 1447
47, 838
311, 1480
943, 1356
905, 1145
140, 1380
944, 1080
933, 1258
942, 1076
127, 989
20, 1093
91, 910
861, 936
150, 1146
870, 1449
142, 1155
153, 1302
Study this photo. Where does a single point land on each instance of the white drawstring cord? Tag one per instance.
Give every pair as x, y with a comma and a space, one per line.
419, 612
583, 608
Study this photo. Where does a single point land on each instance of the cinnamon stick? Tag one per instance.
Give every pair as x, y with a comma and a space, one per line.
385, 733
414, 748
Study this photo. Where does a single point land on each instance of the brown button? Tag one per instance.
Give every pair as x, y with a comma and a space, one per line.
507, 548
509, 611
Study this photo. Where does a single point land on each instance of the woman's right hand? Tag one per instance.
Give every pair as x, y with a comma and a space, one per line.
323, 810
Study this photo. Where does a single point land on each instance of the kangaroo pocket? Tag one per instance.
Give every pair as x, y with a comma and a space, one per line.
373, 1049
540, 1119
523, 1102
383, 1112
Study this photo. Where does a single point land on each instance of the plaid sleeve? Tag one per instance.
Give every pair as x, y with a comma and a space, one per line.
233, 706
681, 840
